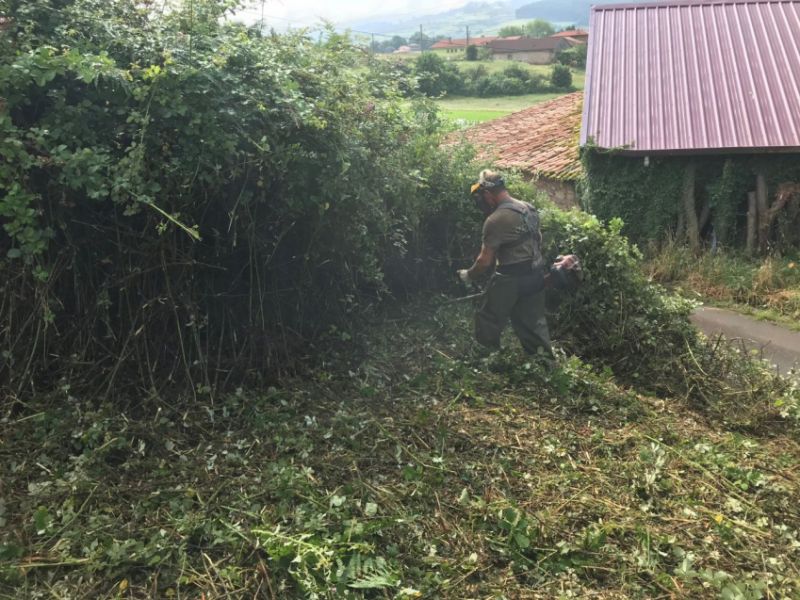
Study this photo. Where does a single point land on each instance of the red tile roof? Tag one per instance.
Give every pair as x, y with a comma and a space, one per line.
701, 76
541, 140
573, 33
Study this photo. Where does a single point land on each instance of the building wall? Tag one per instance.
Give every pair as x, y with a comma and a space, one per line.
561, 193
456, 53
648, 195
541, 57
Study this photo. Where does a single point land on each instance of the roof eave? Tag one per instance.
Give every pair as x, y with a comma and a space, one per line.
628, 151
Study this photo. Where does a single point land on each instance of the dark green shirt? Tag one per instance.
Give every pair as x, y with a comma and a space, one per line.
506, 232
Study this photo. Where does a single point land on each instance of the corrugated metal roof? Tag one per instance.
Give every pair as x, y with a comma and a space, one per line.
694, 76
541, 139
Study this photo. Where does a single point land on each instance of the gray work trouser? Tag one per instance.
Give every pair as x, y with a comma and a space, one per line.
507, 298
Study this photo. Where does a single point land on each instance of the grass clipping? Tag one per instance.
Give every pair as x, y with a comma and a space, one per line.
423, 472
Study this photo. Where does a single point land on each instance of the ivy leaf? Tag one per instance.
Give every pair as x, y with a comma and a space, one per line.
41, 520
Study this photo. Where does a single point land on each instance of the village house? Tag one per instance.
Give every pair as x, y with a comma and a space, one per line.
408, 49
708, 90
459, 46
534, 51
540, 141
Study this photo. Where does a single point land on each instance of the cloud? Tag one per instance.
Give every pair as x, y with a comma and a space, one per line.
304, 13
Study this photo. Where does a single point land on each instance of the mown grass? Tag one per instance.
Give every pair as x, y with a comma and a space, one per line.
469, 111
422, 470
467, 117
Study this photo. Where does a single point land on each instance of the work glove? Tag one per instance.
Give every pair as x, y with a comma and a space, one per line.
463, 275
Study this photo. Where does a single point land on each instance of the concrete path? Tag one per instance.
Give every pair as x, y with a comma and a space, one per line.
779, 345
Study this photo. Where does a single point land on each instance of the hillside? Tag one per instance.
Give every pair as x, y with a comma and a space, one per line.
478, 16
570, 11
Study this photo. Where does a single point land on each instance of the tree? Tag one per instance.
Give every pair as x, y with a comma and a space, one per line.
423, 40
436, 76
539, 28
574, 56
472, 52
561, 77
390, 45
511, 31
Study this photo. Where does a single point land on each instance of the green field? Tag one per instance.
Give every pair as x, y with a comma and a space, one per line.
495, 66
468, 111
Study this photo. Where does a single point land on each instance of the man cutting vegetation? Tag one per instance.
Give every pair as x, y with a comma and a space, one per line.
512, 245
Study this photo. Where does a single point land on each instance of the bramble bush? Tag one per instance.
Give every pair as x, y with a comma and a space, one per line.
197, 205
436, 76
188, 201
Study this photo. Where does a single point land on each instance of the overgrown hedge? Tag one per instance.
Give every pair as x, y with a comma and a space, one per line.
616, 319
436, 76
189, 201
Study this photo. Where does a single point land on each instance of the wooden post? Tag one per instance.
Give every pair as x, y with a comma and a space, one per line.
764, 221
692, 228
680, 229
752, 222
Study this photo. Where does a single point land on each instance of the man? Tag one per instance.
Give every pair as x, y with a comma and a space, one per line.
511, 243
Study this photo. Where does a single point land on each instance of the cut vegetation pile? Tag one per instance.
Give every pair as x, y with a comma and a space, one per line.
421, 469
419, 473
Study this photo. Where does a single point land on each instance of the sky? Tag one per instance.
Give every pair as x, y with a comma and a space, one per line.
303, 13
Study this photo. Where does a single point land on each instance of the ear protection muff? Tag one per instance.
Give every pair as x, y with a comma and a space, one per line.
476, 189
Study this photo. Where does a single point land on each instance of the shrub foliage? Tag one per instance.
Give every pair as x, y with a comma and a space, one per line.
189, 200
436, 76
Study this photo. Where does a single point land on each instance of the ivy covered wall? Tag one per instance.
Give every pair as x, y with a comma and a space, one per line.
649, 194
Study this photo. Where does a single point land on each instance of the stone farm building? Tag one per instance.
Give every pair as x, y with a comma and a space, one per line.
691, 120
452, 46
540, 141
535, 51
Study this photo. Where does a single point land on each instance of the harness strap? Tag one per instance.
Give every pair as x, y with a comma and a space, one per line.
531, 231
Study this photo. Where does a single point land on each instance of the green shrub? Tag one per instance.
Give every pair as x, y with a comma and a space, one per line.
436, 76
197, 209
517, 71
473, 74
561, 77
514, 81
616, 319
574, 56
472, 52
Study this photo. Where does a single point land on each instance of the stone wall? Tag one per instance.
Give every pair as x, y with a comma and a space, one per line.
562, 193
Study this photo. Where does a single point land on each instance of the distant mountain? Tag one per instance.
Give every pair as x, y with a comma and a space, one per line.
563, 11
478, 16
483, 17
